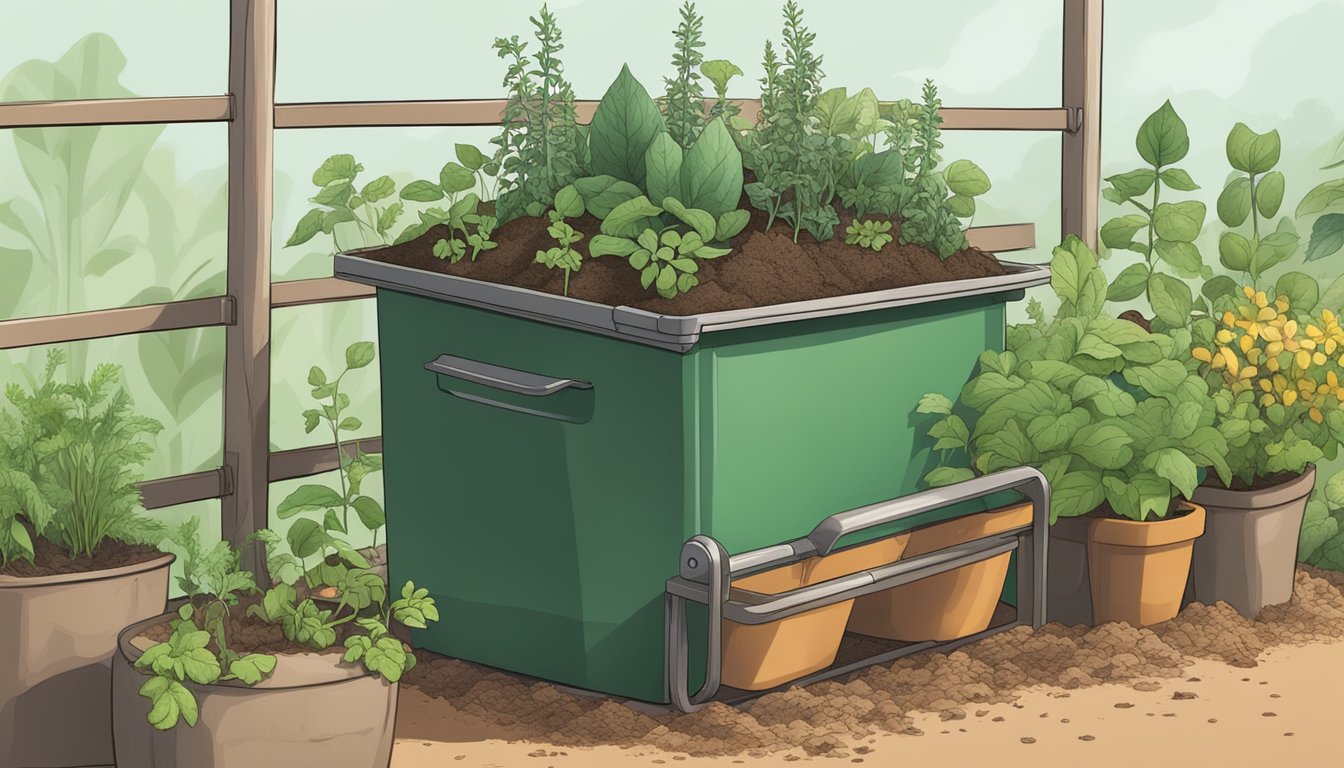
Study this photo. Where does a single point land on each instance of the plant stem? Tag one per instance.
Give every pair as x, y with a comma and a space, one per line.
1152, 216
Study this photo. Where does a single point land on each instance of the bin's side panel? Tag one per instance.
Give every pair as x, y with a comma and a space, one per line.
546, 543
821, 420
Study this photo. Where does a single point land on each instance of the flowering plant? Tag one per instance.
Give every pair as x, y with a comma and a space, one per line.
1278, 379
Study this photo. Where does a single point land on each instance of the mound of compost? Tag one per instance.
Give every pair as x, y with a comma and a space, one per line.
825, 718
765, 267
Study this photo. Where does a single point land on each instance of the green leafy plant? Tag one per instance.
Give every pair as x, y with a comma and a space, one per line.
198, 648
339, 200
1114, 416
1322, 540
1325, 202
796, 164
684, 102
1168, 229
929, 217
461, 218
563, 255
541, 146
67, 459
666, 255
308, 538
720, 72
1256, 194
869, 234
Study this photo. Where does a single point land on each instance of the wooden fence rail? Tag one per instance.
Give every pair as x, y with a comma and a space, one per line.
242, 483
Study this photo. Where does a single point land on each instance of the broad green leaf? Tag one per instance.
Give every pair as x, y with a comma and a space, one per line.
1162, 378
1134, 183
252, 668
1163, 138
336, 168
306, 538
389, 216
1122, 496
308, 227
1179, 222
421, 191
1119, 232
469, 156
1049, 432
626, 122
631, 217
948, 475
965, 178
1104, 445
568, 202
934, 403
1092, 346
307, 498
836, 112
1302, 290
1252, 152
378, 189
1234, 203
454, 178
1170, 298
170, 700
603, 193
1129, 284
1323, 197
1318, 527
961, 206
1274, 248
1327, 236
1078, 493
711, 175
701, 221
1184, 257
950, 432
370, 512
1221, 285
1234, 251
1178, 179
663, 162
359, 354
606, 245
984, 389
730, 224
1177, 468
336, 194
1269, 194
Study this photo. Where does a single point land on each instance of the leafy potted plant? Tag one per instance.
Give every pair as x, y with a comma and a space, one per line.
1260, 348
1119, 421
77, 561
668, 330
234, 677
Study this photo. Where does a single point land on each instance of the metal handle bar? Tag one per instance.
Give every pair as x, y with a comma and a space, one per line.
499, 377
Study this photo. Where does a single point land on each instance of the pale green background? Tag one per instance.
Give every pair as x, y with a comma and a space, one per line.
1270, 64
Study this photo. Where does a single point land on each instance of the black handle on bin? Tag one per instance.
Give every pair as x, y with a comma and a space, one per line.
1026, 480
499, 377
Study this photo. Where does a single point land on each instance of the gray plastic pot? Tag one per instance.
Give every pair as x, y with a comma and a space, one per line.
314, 710
1068, 598
57, 637
1248, 554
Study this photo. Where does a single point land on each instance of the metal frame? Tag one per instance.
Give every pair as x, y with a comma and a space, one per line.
252, 115
707, 571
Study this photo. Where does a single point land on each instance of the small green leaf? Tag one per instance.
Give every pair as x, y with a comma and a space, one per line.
1234, 204
1179, 222
730, 224
1105, 445
1132, 184
307, 498
1323, 197
378, 189
370, 512
1234, 251
469, 156
934, 403
359, 354
961, 206
336, 168
1327, 237
1171, 298
1302, 290
1129, 284
942, 476
1183, 256
603, 193
719, 72
306, 538
454, 178
965, 178
701, 221
1269, 194
568, 202
1163, 138
631, 217
1252, 152
307, 228
421, 191
1178, 179
1119, 232
252, 668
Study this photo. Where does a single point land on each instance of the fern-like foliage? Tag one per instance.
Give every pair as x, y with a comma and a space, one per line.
540, 138
67, 464
684, 103
927, 218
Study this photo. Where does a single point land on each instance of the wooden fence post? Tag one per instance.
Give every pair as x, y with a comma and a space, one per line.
1081, 165
247, 361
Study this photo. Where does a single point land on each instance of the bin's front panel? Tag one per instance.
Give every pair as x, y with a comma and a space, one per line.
545, 541
803, 420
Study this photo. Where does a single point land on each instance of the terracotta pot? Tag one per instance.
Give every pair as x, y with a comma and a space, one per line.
761, 656
953, 604
314, 710
1248, 554
57, 638
1137, 569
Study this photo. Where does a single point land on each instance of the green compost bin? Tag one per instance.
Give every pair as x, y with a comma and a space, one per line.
545, 458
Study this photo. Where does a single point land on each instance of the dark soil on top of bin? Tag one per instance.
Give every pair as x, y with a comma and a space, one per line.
825, 717
51, 560
246, 634
765, 267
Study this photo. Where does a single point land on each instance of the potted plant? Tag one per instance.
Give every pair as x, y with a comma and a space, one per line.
1118, 420
236, 677
77, 561
670, 310
1276, 430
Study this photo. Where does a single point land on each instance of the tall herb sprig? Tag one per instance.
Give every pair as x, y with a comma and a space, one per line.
928, 216
684, 102
539, 139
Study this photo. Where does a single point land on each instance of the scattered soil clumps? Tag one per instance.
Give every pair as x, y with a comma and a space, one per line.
828, 717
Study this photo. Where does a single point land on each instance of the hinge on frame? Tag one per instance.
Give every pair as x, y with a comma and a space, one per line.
1074, 121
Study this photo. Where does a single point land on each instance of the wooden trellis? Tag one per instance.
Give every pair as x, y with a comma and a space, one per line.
242, 483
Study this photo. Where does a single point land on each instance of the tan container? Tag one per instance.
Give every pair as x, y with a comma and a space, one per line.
313, 710
1138, 570
57, 637
950, 605
756, 657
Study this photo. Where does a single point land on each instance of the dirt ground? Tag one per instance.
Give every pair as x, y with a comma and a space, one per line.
1209, 684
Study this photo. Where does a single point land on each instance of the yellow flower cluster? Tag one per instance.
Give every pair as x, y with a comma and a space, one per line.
1260, 346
